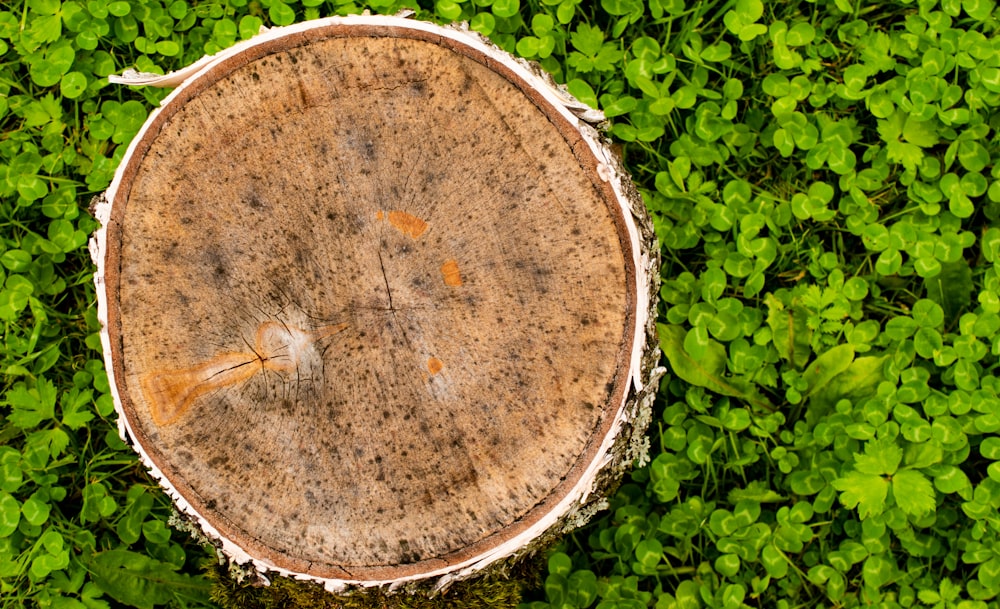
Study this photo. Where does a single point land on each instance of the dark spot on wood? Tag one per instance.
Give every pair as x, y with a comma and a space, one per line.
303, 96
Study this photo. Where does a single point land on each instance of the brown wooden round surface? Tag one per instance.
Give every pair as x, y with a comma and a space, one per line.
369, 302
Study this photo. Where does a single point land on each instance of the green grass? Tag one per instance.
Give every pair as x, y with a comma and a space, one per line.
823, 179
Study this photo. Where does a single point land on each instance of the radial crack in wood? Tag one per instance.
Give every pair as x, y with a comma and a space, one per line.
374, 301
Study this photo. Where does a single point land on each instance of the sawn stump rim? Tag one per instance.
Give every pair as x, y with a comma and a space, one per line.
594, 158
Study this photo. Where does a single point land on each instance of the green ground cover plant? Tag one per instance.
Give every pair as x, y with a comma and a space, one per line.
823, 178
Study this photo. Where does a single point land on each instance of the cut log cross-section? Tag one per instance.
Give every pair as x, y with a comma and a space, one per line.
375, 301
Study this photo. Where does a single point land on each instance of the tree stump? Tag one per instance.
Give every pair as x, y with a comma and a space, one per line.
376, 302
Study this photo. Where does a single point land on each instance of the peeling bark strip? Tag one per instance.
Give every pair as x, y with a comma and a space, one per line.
376, 302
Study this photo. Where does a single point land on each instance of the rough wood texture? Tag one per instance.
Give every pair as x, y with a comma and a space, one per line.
371, 302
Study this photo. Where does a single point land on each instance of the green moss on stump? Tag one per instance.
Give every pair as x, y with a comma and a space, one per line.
494, 592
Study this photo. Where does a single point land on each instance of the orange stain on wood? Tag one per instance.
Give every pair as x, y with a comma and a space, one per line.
434, 365
407, 224
379, 216
170, 394
277, 347
451, 274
